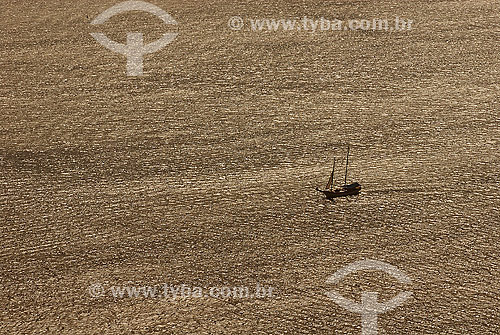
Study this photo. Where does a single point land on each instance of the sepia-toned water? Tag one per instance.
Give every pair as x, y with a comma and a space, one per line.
203, 171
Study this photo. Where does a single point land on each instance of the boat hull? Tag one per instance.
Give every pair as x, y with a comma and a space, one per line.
341, 192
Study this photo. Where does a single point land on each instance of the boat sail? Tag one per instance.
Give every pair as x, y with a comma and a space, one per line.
329, 185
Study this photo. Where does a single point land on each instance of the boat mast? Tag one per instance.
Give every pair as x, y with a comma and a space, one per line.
346, 164
333, 175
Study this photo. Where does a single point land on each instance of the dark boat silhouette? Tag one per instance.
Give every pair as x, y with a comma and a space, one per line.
344, 190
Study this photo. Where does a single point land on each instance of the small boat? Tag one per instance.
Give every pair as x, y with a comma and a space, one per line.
344, 190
